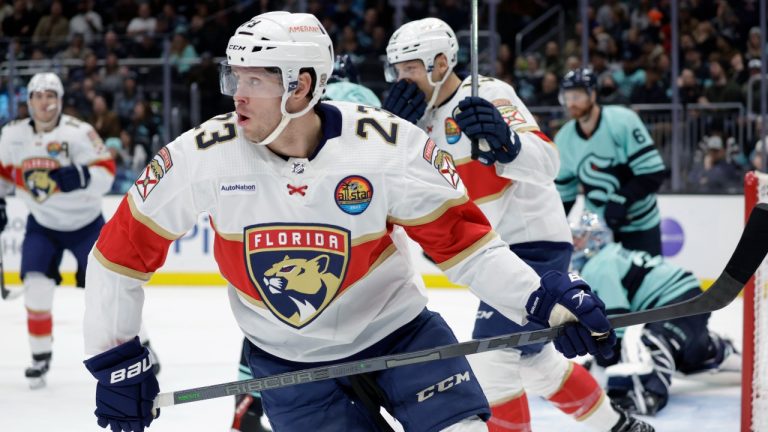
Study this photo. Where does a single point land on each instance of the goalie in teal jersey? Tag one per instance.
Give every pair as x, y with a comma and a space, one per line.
630, 281
609, 152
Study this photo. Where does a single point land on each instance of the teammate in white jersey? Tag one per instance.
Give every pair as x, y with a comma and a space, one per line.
60, 169
513, 184
303, 197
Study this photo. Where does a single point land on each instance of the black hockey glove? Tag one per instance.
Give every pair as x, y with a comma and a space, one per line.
616, 211
480, 120
71, 177
405, 100
3, 215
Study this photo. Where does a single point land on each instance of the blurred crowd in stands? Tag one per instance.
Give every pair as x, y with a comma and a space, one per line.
101, 49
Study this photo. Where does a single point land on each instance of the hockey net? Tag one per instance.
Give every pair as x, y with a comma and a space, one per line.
754, 399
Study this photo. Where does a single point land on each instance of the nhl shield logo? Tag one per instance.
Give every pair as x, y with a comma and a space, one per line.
297, 268
36, 179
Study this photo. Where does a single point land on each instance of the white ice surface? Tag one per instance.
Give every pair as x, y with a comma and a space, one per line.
198, 344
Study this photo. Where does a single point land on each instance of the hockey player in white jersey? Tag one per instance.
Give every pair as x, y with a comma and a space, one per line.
302, 197
513, 184
60, 170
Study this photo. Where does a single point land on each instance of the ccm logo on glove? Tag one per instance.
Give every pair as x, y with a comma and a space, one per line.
130, 371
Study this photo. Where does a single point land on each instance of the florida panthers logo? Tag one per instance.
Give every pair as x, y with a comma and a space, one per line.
36, 179
297, 269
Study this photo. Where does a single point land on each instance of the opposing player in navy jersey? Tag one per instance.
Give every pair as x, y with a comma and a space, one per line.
630, 281
609, 152
303, 197
60, 169
512, 182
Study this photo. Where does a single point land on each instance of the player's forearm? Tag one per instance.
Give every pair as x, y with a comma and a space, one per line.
113, 304
499, 277
538, 161
101, 180
639, 187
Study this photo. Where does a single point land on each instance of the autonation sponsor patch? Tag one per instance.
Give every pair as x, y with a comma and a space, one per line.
237, 188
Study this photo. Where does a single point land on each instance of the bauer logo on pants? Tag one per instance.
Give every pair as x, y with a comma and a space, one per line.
297, 268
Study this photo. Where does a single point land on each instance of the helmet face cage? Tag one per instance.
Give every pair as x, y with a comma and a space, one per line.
590, 235
421, 40
577, 79
287, 41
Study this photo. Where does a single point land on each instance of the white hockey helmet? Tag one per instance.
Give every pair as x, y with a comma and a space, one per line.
422, 40
287, 41
45, 81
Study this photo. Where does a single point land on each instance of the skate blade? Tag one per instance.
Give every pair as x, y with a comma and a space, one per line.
36, 383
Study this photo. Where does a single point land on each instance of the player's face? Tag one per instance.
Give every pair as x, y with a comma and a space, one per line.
257, 100
577, 102
45, 105
415, 72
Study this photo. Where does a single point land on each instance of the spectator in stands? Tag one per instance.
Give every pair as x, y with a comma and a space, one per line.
21, 23
757, 156
692, 60
90, 69
102, 119
110, 43
753, 43
143, 128
86, 22
169, 21
548, 93
690, 90
552, 59
52, 29
6, 10
76, 50
739, 72
608, 92
126, 99
111, 75
182, 53
142, 26
651, 91
716, 174
721, 88
630, 75
754, 70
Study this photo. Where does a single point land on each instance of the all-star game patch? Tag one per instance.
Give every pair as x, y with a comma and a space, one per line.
353, 194
157, 168
509, 112
54, 148
452, 131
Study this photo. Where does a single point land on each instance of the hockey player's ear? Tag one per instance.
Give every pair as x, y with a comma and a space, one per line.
441, 67
305, 87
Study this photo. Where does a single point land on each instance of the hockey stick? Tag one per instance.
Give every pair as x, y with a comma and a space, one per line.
749, 253
5, 292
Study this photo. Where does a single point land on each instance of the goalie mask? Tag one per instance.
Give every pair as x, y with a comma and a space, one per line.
266, 55
422, 40
41, 82
590, 235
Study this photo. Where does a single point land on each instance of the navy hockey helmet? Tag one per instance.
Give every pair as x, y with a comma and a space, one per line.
344, 69
579, 78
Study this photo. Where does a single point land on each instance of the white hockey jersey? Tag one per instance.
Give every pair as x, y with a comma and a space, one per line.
519, 198
27, 156
305, 244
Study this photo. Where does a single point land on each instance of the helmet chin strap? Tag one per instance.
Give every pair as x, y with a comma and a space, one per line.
285, 119
436, 89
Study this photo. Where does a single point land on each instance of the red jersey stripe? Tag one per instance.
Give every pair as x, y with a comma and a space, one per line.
108, 164
147, 250
481, 180
449, 235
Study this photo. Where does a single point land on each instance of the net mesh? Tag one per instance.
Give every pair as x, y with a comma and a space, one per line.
760, 332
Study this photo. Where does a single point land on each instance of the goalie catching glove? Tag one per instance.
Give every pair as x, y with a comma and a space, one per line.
126, 389
565, 298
